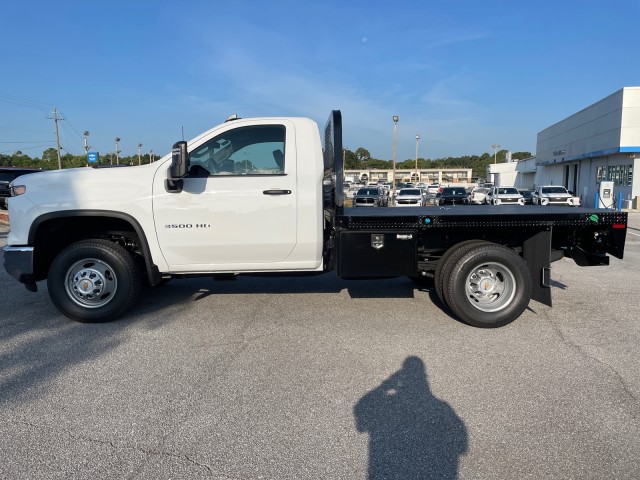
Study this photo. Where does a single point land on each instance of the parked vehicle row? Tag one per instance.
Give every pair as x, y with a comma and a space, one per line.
422, 194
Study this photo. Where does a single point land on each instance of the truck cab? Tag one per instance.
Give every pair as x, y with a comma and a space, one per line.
247, 201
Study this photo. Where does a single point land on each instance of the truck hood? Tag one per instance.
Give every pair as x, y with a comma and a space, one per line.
127, 190
89, 188
84, 189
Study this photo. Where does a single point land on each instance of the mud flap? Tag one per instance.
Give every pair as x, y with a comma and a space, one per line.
536, 251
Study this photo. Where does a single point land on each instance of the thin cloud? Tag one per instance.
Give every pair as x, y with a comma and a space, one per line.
458, 39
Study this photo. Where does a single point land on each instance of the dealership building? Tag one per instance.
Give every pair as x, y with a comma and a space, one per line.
599, 143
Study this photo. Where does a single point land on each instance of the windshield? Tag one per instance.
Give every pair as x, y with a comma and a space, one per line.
508, 191
368, 191
409, 191
454, 191
554, 190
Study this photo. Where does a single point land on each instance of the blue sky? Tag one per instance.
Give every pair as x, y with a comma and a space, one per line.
461, 74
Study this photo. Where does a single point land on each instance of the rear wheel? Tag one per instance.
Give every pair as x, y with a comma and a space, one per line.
488, 286
93, 281
447, 261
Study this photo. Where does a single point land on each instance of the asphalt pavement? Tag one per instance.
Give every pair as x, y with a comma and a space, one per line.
291, 378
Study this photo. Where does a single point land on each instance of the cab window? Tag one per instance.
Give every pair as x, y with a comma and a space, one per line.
255, 150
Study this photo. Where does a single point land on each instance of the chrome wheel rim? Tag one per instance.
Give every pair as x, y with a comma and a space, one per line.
490, 287
91, 283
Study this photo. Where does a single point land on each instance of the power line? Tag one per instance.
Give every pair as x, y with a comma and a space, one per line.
25, 102
33, 141
69, 123
24, 130
27, 148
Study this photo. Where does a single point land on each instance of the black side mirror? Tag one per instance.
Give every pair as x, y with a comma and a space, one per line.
179, 160
179, 167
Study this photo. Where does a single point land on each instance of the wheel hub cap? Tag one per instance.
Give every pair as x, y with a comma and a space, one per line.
91, 283
491, 287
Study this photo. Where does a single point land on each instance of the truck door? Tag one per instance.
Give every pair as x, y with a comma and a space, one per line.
237, 207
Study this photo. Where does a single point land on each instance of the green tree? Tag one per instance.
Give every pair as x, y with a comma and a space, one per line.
363, 156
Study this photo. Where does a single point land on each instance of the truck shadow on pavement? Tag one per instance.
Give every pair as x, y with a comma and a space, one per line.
279, 285
412, 434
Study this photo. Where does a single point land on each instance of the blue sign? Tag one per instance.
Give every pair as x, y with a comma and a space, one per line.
92, 157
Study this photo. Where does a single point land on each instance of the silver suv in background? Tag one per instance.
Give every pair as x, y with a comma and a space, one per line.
8, 175
371, 197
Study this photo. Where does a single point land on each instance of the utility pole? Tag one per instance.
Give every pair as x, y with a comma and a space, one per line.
139, 147
55, 119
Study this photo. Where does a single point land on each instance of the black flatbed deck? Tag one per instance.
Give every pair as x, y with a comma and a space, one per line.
477, 216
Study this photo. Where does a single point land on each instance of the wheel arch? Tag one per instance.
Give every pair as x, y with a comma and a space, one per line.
50, 233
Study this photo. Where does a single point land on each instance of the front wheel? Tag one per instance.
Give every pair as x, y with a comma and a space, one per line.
489, 286
93, 281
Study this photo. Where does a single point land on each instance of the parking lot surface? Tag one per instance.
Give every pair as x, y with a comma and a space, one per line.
317, 377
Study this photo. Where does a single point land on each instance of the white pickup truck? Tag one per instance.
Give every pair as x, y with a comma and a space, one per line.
264, 195
550, 195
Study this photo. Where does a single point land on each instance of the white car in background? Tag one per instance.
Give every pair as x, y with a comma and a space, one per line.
478, 196
504, 196
433, 189
554, 195
409, 197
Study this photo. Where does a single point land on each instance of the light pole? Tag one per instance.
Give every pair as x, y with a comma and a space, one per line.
344, 162
117, 152
139, 147
495, 152
417, 176
86, 145
395, 137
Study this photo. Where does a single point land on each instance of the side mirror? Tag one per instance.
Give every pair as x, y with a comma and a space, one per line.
179, 160
179, 167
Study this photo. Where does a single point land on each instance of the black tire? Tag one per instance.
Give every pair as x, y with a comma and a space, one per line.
446, 262
93, 281
489, 286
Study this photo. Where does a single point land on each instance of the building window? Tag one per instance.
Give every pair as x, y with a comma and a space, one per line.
620, 175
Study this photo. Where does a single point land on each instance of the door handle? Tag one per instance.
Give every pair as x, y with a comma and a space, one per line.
277, 192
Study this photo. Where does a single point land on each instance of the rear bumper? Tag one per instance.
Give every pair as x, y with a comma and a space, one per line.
18, 262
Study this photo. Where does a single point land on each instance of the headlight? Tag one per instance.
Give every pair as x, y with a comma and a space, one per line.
17, 190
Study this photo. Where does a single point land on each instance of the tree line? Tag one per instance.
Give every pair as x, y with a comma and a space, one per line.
358, 159
362, 159
49, 160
